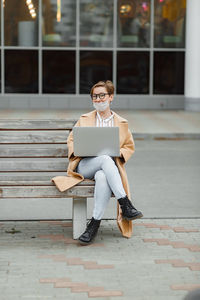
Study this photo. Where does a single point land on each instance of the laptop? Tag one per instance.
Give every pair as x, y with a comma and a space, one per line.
96, 141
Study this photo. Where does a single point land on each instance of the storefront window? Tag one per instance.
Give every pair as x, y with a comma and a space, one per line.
133, 23
58, 72
59, 23
21, 71
0, 72
132, 72
169, 73
136, 35
169, 23
96, 23
21, 22
0, 20
94, 66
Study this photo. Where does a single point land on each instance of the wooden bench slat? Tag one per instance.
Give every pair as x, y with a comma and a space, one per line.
35, 137
44, 191
11, 124
34, 178
34, 150
33, 164
29, 176
39, 183
26, 183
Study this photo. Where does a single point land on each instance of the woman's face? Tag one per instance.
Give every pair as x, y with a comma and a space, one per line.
100, 94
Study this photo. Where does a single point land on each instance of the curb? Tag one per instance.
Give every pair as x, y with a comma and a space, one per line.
166, 136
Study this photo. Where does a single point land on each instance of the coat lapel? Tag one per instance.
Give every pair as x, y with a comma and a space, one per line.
88, 120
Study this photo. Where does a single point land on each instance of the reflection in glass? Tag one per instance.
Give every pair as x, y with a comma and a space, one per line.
21, 71
59, 23
96, 23
169, 23
133, 23
132, 72
0, 19
21, 22
94, 66
59, 72
169, 73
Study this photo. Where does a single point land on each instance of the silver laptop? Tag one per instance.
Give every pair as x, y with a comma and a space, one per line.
95, 141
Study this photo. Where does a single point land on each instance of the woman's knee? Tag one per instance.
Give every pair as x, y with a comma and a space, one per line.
107, 159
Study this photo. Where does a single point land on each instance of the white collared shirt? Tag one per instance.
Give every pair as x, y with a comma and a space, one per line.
109, 122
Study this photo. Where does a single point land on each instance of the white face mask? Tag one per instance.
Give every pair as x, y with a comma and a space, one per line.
101, 106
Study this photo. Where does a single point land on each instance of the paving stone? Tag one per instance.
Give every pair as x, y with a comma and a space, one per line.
39, 263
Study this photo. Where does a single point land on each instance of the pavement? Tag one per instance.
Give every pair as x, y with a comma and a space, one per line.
40, 260
161, 261
143, 123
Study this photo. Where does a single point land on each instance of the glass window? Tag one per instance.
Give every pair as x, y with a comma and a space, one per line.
169, 73
21, 71
133, 23
21, 22
58, 72
94, 66
59, 23
0, 18
96, 23
169, 23
132, 72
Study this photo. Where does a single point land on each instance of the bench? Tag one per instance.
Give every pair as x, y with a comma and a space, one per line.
31, 153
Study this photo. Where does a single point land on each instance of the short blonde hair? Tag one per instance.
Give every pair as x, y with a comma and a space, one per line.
107, 84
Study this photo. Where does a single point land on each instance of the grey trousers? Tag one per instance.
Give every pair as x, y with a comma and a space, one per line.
107, 180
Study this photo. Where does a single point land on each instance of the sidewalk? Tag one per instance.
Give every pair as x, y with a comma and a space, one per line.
41, 261
143, 123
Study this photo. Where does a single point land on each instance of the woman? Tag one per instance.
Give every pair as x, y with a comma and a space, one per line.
109, 173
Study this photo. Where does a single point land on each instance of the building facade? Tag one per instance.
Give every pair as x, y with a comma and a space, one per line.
53, 51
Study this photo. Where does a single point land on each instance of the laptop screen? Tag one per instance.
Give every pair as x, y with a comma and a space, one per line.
96, 141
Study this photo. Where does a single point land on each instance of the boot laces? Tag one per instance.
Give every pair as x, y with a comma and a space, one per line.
129, 204
91, 226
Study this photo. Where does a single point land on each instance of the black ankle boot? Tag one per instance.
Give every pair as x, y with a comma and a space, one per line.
129, 212
90, 232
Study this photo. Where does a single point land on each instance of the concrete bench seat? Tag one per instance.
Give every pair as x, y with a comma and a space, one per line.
31, 153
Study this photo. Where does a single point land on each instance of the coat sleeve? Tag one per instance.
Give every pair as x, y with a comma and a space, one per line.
128, 147
70, 142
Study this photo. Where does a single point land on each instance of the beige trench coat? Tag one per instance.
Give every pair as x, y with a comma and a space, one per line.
126, 150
